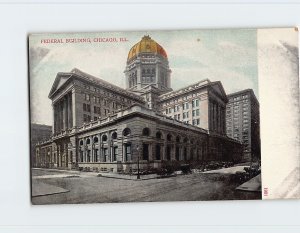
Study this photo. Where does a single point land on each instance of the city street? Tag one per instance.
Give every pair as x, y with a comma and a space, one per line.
87, 187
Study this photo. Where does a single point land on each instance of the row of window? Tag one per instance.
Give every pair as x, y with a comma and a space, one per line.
238, 98
185, 106
183, 98
186, 114
245, 103
98, 99
145, 132
87, 107
96, 156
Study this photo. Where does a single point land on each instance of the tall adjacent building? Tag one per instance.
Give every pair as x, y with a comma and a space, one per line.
242, 122
102, 127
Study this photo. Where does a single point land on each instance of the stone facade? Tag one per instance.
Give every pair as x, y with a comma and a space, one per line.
101, 127
202, 104
113, 144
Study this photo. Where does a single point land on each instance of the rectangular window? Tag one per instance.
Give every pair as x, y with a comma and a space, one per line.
127, 152
186, 105
197, 112
84, 107
105, 154
88, 108
87, 97
95, 99
195, 103
115, 153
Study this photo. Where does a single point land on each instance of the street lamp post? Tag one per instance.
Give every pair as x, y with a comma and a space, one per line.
138, 161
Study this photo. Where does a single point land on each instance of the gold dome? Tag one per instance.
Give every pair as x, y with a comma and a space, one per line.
146, 45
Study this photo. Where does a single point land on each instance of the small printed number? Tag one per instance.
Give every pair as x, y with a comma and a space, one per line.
266, 192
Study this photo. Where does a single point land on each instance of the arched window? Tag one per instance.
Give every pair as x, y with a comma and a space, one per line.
146, 132
81, 142
96, 139
185, 140
114, 135
158, 135
126, 132
177, 139
88, 141
192, 141
104, 138
169, 137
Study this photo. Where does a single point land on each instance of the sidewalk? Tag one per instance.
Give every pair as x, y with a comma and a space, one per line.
78, 174
253, 185
229, 170
41, 189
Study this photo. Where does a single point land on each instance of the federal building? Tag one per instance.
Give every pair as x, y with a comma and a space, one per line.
98, 126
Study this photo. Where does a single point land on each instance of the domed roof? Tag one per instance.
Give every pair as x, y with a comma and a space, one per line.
146, 45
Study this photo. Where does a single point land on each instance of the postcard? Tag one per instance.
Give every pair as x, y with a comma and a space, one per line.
155, 116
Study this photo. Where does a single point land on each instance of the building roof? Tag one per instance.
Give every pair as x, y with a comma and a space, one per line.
238, 93
62, 78
146, 45
216, 85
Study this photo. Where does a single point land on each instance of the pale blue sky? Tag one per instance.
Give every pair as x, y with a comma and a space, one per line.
229, 56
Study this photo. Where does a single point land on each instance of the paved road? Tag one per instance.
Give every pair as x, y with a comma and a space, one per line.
93, 189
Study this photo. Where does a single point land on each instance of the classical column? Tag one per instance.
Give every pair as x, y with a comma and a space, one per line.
163, 155
99, 148
220, 119
70, 120
65, 114
218, 115
151, 151
139, 78
73, 107
215, 118
109, 150
61, 117
211, 115
53, 118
